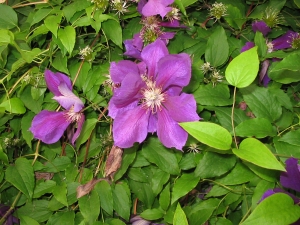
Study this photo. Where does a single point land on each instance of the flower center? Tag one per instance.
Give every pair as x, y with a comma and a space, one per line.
73, 116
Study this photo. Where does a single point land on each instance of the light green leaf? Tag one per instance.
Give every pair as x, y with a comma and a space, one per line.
152, 214
257, 127
89, 206
7, 37
14, 105
179, 216
292, 137
122, 204
243, 69
210, 134
8, 17
67, 37
217, 48
113, 31
252, 150
60, 193
52, 22
277, 209
21, 175
86, 131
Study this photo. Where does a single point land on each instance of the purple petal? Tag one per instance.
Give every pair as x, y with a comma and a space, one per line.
291, 178
80, 123
130, 127
284, 41
68, 98
166, 36
261, 26
49, 126
53, 80
120, 69
137, 220
173, 23
113, 110
141, 5
266, 80
152, 53
134, 47
247, 46
169, 132
174, 70
264, 69
157, 7
182, 108
152, 126
279, 190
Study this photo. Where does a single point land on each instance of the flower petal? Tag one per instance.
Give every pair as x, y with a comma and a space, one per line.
157, 7
49, 126
119, 70
68, 98
182, 108
53, 80
80, 123
173, 23
261, 26
130, 127
113, 110
169, 132
152, 126
174, 70
291, 178
247, 46
152, 53
284, 41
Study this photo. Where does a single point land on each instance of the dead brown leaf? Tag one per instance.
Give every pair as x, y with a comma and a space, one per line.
46, 176
87, 188
113, 161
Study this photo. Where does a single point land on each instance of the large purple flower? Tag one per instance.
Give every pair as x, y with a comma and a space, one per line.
49, 126
150, 98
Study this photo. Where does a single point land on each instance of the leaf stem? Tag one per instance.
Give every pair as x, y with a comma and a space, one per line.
2, 220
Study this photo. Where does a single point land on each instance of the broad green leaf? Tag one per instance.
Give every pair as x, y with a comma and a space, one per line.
14, 105
89, 206
234, 17
67, 37
58, 164
105, 193
243, 69
43, 188
26, 220
143, 191
260, 42
158, 180
164, 158
128, 157
87, 129
266, 174
220, 221
152, 214
183, 185
122, 204
213, 96
222, 164
3, 156
60, 193
21, 175
272, 209
113, 31
282, 98
39, 15
66, 218
297, 2
208, 133
7, 37
8, 17
262, 102
257, 127
72, 192
137, 174
70, 9
52, 22
287, 70
36, 209
217, 48
252, 150
179, 216
286, 149
259, 190
60, 63
292, 137
164, 197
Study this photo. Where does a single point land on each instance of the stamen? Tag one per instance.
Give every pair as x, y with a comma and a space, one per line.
73, 116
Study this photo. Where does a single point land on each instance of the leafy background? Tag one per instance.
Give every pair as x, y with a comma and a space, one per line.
232, 156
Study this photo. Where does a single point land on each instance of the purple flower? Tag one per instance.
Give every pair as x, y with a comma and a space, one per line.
284, 41
150, 98
291, 178
247, 46
137, 220
10, 219
261, 26
155, 7
49, 126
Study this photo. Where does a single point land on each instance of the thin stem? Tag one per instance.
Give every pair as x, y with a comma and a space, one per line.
27, 4
36, 154
8, 212
232, 117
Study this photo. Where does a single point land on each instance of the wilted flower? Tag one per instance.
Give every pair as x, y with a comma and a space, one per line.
49, 126
150, 97
218, 10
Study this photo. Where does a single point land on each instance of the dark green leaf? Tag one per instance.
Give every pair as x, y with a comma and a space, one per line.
87, 129
89, 206
105, 193
152, 214
25, 125
292, 137
121, 196
58, 164
257, 127
128, 158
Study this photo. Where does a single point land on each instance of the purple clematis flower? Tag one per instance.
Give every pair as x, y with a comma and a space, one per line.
284, 41
155, 7
150, 98
262, 27
49, 126
10, 219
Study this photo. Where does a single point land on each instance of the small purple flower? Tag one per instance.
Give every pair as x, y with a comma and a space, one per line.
49, 126
262, 27
150, 98
291, 178
134, 47
10, 219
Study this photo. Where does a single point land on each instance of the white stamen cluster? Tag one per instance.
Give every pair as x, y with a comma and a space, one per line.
173, 14
73, 116
120, 6
270, 47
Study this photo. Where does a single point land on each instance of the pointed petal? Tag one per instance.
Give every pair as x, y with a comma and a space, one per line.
174, 70
152, 53
131, 50
169, 132
284, 41
166, 36
80, 123
53, 80
291, 178
157, 7
173, 23
113, 110
182, 108
130, 127
118, 71
49, 126
261, 26
247, 46
68, 98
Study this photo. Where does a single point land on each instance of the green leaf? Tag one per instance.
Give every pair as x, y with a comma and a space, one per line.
217, 48
67, 37
259, 190
234, 17
105, 193
128, 157
158, 180
122, 204
66, 218
272, 209
26, 220
222, 164
262, 102
36, 209
113, 31
43, 188
21, 175
257, 127
52, 22
86, 131
184, 185
266, 174
7, 37
292, 137
137, 175
164, 198
208, 133
179, 216
25, 125
3, 156
260, 42
164, 158
89, 206
60, 193
143, 191
60, 63
213, 96
252, 150
58, 164
286, 149
243, 69
14, 105
8, 17
287, 70
297, 2
152, 214
180, 6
